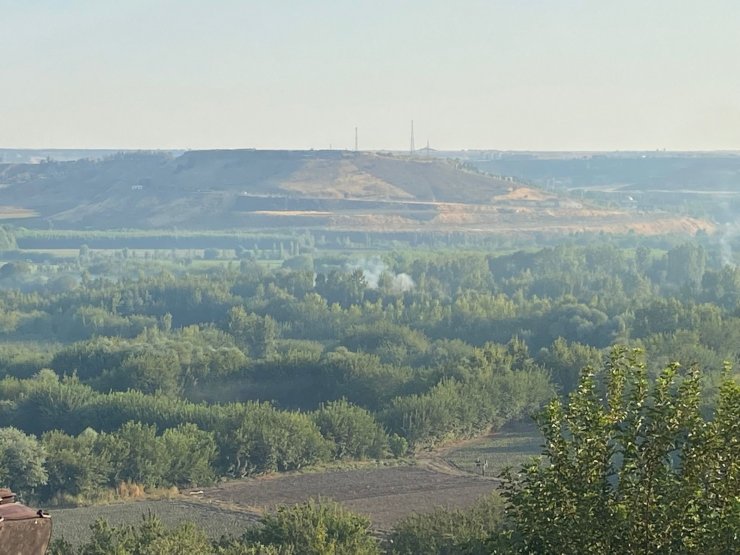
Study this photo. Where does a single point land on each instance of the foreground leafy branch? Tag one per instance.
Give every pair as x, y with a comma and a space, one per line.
632, 467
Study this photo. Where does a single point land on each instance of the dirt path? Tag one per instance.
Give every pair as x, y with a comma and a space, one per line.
438, 459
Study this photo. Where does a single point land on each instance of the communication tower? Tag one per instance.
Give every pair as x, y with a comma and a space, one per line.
411, 146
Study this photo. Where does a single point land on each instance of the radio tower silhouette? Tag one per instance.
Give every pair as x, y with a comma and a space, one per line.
412, 148
355, 139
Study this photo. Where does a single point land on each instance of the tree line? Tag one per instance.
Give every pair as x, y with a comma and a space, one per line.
630, 464
333, 351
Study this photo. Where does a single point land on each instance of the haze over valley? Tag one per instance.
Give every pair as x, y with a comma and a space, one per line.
369, 278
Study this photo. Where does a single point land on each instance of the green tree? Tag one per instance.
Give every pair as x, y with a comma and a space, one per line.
354, 431
686, 264
565, 361
151, 537
315, 528
300, 263
190, 453
75, 465
449, 531
258, 334
22, 461
256, 437
632, 467
138, 454
150, 371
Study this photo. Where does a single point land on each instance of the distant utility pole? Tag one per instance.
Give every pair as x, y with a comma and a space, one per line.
355, 139
411, 147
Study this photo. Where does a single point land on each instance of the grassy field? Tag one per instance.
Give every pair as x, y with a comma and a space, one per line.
513, 445
74, 524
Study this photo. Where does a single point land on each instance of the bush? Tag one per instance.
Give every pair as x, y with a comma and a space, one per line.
449, 532
354, 431
315, 528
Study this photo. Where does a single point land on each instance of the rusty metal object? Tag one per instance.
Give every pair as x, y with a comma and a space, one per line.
23, 531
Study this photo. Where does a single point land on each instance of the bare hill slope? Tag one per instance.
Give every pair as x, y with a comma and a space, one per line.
320, 189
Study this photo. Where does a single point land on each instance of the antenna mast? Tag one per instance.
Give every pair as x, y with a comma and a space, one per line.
411, 148
355, 138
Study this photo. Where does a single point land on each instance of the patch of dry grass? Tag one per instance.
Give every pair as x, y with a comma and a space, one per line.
514, 445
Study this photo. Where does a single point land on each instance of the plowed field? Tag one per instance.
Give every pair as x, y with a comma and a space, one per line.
385, 495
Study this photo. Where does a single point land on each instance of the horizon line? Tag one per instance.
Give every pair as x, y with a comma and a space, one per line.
381, 150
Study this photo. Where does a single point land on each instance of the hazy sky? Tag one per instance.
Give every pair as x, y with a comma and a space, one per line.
517, 74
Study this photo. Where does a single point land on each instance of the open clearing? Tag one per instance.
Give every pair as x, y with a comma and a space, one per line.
512, 446
74, 524
385, 495
446, 478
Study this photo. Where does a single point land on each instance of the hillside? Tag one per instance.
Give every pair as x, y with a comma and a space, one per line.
313, 189
635, 171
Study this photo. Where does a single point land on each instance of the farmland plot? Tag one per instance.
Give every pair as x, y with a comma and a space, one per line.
385, 495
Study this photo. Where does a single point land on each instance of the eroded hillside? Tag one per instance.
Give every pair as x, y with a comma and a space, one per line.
311, 189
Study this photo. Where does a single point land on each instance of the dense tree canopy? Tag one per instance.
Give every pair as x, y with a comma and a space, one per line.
221, 368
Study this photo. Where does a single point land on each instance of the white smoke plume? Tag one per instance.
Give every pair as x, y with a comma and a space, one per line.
402, 282
726, 235
373, 268
727, 232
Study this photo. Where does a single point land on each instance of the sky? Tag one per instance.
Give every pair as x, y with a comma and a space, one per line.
489, 74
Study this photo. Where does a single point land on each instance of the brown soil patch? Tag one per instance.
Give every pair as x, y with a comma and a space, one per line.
337, 179
279, 213
385, 495
13, 212
525, 193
